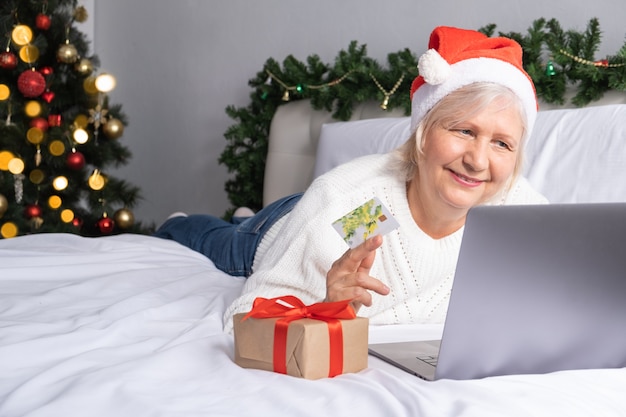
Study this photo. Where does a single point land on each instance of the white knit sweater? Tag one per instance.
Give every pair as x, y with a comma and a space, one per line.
295, 255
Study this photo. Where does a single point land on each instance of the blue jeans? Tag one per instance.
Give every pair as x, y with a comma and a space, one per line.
230, 245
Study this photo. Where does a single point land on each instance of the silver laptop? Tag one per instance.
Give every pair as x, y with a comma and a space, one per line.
537, 289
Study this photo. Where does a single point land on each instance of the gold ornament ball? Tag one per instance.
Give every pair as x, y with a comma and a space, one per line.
22, 35
84, 67
124, 218
4, 205
113, 128
67, 53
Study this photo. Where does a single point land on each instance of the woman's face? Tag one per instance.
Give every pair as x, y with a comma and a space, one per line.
469, 163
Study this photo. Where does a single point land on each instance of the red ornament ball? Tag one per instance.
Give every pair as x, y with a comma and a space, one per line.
106, 225
75, 161
8, 60
42, 21
40, 123
31, 83
46, 71
76, 222
32, 210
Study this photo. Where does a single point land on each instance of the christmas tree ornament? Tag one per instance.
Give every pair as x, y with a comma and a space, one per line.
29, 53
4, 205
34, 135
80, 14
31, 83
43, 21
46, 71
37, 176
21, 35
96, 180
18, 185
67, 53
550, 70
56, 148
33, 109
9, 230
47, 96
67, 216
76, 222
5, 92
81, 121
8, 60
40, 123
124, 218
38, 156
106, 224
84, 67
5, 158
54, 202
89, 85
54, 120
75, 160
113, 128
32, 210
97, 116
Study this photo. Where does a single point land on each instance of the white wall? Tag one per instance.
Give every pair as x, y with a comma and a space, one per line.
179, 63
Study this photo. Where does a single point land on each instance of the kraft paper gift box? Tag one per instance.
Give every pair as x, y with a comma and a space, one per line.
274, 336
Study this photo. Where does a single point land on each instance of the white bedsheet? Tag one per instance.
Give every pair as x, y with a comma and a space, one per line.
132, 326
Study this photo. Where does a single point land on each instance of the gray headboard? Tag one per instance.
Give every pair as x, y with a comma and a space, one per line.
293, 138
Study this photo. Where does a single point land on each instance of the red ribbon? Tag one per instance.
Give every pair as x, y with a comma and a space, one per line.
290, 308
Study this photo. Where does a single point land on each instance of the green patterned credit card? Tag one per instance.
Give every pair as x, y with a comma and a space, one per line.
369, 219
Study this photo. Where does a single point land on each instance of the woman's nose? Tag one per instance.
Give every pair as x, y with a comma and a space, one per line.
476, 155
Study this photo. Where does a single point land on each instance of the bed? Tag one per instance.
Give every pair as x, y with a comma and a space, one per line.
131, 325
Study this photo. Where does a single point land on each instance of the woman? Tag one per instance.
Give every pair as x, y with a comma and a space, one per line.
472, 108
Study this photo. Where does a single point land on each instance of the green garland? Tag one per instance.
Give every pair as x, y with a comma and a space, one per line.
555, 59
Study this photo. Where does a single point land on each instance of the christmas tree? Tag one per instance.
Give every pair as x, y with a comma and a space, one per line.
59, 135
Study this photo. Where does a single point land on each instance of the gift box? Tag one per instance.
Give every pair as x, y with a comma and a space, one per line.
285, 336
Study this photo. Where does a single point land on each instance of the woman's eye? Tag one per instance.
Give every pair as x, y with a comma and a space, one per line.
502, 144
465, 132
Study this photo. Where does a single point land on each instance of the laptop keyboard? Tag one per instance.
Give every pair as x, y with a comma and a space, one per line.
429, 359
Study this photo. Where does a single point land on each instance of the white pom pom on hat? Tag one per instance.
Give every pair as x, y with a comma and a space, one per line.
433, 68
459, 57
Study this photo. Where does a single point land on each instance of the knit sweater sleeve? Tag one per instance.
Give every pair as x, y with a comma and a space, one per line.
297, 261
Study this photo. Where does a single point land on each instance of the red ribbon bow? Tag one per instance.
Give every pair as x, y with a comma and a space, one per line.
291, 308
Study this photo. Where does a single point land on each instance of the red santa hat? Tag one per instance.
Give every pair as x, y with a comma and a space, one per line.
458, 57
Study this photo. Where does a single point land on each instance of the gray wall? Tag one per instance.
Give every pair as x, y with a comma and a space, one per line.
179, 63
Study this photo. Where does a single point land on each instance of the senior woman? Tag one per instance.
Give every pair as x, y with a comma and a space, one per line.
473, 106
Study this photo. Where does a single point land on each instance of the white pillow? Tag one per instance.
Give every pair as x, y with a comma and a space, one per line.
574, 155
343, 141
579, 155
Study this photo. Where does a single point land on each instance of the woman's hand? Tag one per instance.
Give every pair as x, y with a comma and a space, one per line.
349, 279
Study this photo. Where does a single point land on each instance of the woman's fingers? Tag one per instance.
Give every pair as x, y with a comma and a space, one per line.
349, 279
361, 257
